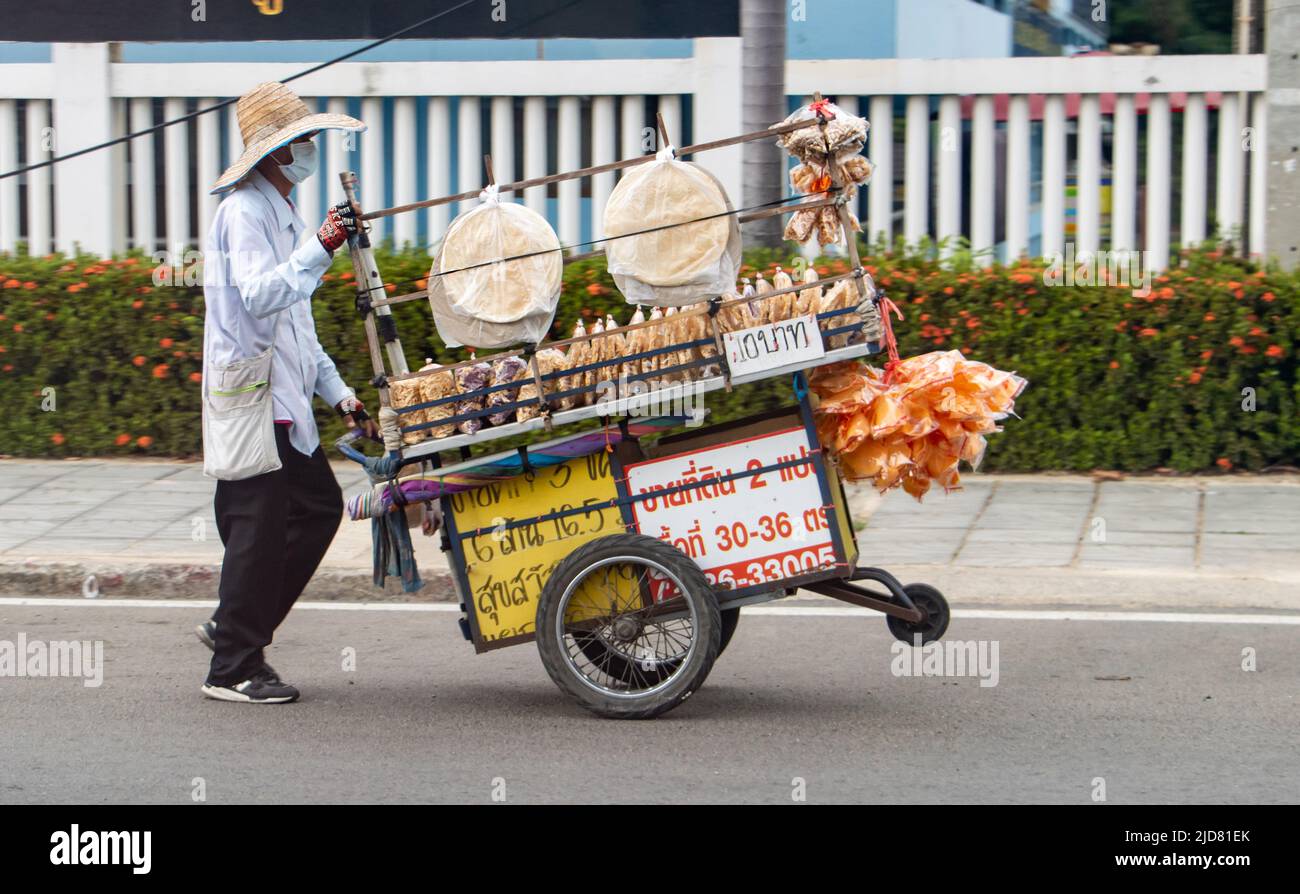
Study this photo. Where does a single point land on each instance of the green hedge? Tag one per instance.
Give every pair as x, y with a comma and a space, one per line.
1116, 381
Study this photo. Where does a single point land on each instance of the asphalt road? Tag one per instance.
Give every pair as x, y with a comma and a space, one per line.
1163, 712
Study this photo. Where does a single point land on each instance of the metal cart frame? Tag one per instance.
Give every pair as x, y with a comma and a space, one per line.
913, 611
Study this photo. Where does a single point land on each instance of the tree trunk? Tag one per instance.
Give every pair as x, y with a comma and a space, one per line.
762, 28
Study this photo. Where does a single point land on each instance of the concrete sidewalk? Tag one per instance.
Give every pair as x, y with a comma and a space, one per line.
146, 528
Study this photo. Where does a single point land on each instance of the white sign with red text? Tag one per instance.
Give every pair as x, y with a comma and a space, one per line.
751, 530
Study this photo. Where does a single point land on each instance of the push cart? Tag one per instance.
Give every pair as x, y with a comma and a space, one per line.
625, 532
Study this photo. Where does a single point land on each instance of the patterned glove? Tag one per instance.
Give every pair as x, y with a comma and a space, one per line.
340, 222
349, 405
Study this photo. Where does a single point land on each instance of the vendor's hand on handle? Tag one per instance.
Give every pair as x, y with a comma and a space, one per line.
340, 223
354, 413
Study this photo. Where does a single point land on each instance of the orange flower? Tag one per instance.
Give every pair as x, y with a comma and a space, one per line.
596, 289
165, 342
138, 360
422, 284
1275, 351
1223, 463
196, 377
1114, 364
57, 438
122, 440
12, 284
137, 304
1210, 318
143, 441
8, 367
1206, 355
18, 327
1148, 332
1194, 378
1269, 297
1236, 341
160, 371
390, 288
29, 285
949, 290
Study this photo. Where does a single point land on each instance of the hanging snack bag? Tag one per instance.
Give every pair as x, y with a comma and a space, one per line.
670, 238
496, 279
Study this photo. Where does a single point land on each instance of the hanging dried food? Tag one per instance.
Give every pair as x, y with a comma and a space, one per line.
482, 299
655, 340
670, 238
911, 428
808, 300
579, 355
634, 343
761, 304
735, 316
782, 305
843, 134
598, 353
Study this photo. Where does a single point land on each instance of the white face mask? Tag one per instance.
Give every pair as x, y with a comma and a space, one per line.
303, 164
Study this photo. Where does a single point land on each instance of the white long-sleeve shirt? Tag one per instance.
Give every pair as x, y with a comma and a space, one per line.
255, 279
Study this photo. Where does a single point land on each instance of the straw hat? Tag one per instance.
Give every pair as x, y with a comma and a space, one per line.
270, 116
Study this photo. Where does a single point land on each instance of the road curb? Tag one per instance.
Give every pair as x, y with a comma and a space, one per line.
162, 580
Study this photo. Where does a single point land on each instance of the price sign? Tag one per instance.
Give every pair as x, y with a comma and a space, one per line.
772, 345
507, 567
751, 530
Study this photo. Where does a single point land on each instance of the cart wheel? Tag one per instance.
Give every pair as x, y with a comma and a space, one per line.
628, 626
615, 657
929, 600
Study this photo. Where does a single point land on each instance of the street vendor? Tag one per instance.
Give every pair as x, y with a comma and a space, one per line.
277, 503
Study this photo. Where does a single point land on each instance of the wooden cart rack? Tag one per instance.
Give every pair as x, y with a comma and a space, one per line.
627, 560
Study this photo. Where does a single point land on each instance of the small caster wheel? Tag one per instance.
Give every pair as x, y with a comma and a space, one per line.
931, 602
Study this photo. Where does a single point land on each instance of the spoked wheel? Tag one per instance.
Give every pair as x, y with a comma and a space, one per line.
601, 650
628, 626
935, 623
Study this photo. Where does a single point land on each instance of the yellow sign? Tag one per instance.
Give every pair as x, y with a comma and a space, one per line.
507, 567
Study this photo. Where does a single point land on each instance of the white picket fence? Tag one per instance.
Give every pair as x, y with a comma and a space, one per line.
1071, 114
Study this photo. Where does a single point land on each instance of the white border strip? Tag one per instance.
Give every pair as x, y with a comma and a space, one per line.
792, 611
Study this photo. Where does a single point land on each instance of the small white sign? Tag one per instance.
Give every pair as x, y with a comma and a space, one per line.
773, 345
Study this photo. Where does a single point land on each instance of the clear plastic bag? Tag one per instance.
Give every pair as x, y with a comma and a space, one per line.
844, 134
488, 305
683, 263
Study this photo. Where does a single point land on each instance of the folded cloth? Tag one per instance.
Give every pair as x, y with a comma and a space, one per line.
391, 549
394, 556
377, 501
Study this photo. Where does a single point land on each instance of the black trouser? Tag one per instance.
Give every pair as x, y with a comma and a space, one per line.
276, 528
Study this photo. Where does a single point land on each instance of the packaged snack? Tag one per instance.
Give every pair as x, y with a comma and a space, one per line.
670, 238
508, 370
470, 379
